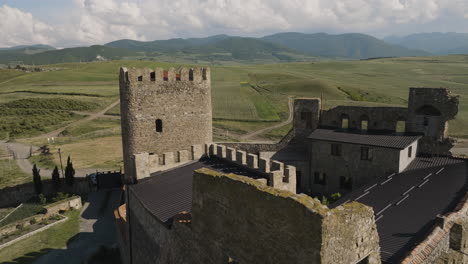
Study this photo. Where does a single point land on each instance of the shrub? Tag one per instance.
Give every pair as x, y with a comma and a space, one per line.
33, 221
56, 178
60, 196
37, 179
42, 199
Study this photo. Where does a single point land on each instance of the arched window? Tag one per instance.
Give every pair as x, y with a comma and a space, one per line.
159, 126
190, 75
344, 121
428, 110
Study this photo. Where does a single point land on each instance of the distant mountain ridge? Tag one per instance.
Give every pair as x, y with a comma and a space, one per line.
281, 47
36, 46
436, 42
352, 45
81, 54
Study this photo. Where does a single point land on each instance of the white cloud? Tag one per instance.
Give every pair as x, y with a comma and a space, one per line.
101, 21
18, 27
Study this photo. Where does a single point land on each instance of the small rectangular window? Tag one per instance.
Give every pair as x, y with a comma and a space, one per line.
153, 76
336, 149
140, 78
410, 152
346, 183
320, 178
365, 153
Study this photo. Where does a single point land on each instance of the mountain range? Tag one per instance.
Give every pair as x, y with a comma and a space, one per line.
281, 47
436, 43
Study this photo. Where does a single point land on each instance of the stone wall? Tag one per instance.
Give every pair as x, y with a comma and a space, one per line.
12, 196
147, 163
277, 174
163, 111
238, 219
378, 118
65, 205
429, 110
50, 210
306, 116
383, 161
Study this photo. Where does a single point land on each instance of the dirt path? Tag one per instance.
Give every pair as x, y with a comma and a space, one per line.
266, 129
97, 227
92, 116
21, 152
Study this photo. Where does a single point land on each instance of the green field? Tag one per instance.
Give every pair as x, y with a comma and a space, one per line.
244, 97
31, 248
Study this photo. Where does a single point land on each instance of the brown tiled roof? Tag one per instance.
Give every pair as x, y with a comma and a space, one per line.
388, 140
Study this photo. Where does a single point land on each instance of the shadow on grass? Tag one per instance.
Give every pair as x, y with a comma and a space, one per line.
97, 238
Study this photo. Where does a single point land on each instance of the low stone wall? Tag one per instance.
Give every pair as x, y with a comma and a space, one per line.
8, 229
12, 196
50, 210
65, 205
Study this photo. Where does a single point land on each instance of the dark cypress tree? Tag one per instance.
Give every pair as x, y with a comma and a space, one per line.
69, 172
37, 180
56, 178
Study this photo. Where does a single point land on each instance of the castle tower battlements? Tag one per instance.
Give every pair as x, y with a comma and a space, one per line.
163, 111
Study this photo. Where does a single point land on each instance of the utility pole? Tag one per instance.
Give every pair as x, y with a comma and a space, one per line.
61, 164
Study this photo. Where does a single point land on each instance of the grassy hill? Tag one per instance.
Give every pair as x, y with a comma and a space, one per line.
356, 46
83, 54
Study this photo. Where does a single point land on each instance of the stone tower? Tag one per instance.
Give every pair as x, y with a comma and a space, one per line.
429, 110
163, 111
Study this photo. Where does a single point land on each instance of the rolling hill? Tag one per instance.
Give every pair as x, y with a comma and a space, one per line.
437, 43
82, 54
282, 47
220, 47
356, 46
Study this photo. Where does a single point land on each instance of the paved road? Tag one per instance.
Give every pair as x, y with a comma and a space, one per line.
97, 227
263, 130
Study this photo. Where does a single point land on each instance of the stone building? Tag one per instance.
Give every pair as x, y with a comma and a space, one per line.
163, 111
189, 200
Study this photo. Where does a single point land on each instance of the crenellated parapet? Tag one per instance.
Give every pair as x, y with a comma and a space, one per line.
148, 163
146, 76
277, 174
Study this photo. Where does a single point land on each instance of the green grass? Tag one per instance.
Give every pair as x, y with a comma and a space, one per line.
43, 162
115, 111
87, 128
11, 175
258, 92
26, 210
278, 133
29, 249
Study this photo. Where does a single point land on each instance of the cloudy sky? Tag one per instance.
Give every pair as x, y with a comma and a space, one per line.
69, 23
